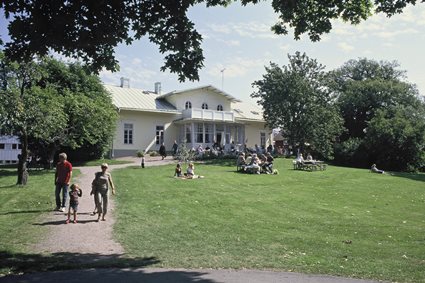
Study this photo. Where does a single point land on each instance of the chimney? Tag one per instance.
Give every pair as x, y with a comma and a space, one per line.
125, 82
158, 88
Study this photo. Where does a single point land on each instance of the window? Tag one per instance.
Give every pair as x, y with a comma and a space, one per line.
20, 146
159, 135
219, 107
199, 132
14, 146
1, 145
188, 132
208, 133
188, 105
204, 106
128, 133
263, 139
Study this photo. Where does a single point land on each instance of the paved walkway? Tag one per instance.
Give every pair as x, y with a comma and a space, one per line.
99, 244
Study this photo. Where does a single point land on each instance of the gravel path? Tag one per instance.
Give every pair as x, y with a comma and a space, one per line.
91, 237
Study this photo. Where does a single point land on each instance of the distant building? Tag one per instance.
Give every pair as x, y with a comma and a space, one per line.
197, 116
10, 148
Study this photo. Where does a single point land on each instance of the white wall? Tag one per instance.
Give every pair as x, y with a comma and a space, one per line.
197, 97
11, 151
144, 130
252, 133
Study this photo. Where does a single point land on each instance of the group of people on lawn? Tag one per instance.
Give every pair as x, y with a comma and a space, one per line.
255, 164
190, 172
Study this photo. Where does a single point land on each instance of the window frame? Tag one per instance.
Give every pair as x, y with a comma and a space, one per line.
159, 134
128, 131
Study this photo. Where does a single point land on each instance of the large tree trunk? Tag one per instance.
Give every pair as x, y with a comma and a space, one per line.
22, 164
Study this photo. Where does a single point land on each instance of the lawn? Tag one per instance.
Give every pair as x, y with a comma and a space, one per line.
341, 221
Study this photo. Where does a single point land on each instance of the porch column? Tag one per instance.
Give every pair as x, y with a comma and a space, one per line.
192, 137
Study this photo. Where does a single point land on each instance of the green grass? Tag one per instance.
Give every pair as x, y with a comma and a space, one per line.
341, 221
20, 206
100, 161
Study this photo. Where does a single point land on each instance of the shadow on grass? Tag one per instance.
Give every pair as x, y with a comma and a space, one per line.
221, 162
18, 263
26, 211
413, 176
115, 275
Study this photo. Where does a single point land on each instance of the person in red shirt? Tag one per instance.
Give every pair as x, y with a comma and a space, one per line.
63, 176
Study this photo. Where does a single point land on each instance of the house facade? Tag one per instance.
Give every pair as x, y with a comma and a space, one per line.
10, 148
198, 116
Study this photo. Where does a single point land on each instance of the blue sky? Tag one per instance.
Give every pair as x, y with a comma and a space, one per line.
239, 39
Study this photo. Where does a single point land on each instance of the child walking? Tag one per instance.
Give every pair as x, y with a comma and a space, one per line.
73, 201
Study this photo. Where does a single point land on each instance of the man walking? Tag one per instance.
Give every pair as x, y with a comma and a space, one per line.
63, 176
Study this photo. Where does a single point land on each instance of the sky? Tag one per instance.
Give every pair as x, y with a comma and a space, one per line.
239, 40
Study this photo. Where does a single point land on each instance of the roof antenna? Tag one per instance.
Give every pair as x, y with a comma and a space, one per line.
222, 78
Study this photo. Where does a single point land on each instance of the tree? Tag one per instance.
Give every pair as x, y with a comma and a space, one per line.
91, 117
395, 138
294, 98
54, 104
90, 30
363, 86
26, 109
371, 94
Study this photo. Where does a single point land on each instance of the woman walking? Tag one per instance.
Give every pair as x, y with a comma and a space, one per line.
100, 185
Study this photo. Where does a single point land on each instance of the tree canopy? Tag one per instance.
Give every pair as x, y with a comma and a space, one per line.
90, 30
383, 115
53, 104
294, 99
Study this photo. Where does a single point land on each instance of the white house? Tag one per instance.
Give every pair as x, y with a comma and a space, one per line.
10, 148
198, 116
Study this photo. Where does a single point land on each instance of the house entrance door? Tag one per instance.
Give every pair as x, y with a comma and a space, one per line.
219, 138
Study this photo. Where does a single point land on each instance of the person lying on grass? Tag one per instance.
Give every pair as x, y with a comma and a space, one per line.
373, 169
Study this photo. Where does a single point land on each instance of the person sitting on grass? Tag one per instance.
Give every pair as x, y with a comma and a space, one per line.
73, 201
241, 162
269, 163
190, 172
255, 165
178, 171
373, 169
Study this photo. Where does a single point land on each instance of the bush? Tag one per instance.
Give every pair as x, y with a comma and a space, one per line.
153, 153
184, 154
140, 153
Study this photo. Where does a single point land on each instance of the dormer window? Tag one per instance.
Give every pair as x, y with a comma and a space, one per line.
188, 105
204, 106
219, 107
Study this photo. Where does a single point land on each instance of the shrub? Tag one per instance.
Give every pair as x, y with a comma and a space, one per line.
153, 153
